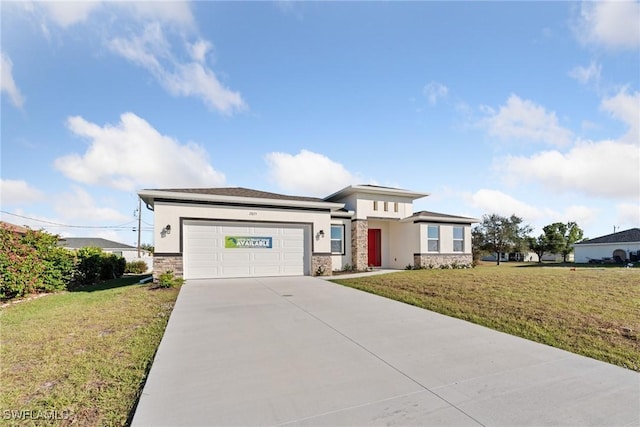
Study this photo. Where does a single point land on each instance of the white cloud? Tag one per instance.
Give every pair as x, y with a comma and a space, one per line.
7, 84
628, 215
133, 154
147, 46
79, 204
435, 91
626, 108
588, 74
18, 192
308, 173
152, 51
598, 169
582, 215
67, 13
612, 24
169, 12
199, 50
494, 201
524, 120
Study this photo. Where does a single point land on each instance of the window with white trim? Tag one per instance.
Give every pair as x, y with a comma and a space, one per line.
337, 239
395, 207
375, 205
433, 238
458, 239
386, 206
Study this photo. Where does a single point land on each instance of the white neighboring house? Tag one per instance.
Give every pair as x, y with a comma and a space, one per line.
205, 233
624, 244
129, 253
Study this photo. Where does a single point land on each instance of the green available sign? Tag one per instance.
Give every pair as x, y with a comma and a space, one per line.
235, 242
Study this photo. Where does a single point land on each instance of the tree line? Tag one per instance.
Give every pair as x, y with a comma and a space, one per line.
499, 234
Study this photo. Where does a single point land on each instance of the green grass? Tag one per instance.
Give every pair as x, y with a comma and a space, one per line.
582, 310
84, 354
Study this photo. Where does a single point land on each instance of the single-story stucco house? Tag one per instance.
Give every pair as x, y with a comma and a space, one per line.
624, 244
239, 232
129, 253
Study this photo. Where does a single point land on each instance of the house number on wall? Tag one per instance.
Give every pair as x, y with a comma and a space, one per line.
253, 213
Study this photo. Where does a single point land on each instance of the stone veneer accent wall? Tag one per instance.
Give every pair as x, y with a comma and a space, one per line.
436, 260
360, 244
162, 263
321, 261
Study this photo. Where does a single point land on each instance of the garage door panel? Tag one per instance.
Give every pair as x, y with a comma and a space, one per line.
206, 255
267, 257
235, 257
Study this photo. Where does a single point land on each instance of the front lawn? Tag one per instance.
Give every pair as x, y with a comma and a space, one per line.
589, 311
81, 357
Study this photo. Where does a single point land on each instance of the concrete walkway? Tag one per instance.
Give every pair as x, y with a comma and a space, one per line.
304, 351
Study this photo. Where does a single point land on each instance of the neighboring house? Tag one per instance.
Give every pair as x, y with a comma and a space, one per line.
18, 229
129, 253
624, 244
239, 232
547, 256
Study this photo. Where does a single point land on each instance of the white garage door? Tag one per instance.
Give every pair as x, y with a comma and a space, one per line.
216, 250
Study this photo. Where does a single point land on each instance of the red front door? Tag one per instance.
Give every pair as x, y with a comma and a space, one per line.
375, 247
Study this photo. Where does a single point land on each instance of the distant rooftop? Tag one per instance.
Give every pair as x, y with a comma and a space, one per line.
15, 228
626, 236
97, 242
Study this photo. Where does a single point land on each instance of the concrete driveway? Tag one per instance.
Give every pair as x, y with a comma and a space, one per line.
304, 351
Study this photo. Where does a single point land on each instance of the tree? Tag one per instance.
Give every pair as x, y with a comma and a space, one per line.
147, 247
539, 245
562, 237
501, 234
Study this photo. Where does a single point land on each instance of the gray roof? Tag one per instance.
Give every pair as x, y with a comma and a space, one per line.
626, 236
441, 215
240, 192
83, 242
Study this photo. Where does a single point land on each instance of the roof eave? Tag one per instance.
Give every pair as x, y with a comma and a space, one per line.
444, 219
149, 196
353, 189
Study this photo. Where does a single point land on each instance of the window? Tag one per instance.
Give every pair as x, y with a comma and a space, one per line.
395, 207
375, 205
433, 238
386, 206
337, 239
458, 239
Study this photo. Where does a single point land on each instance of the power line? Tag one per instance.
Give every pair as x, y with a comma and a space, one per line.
56, 224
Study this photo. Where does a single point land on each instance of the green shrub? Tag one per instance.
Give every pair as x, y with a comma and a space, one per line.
168, 280
94, 266
112, 266
32, 263
136, 267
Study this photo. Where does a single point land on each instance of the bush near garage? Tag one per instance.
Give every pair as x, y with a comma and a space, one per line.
136, 267
94, 266
32, 263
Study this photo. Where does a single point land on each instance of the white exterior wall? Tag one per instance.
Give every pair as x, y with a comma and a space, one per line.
362, 204
167, 213
602, 250
404, 242
364, 207
339, 261
446, 238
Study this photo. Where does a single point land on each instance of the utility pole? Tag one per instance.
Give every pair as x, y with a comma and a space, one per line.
139, 222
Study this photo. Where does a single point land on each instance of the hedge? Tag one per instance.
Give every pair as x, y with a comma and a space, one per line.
33, 263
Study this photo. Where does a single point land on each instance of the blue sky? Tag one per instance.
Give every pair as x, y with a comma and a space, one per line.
492, 107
